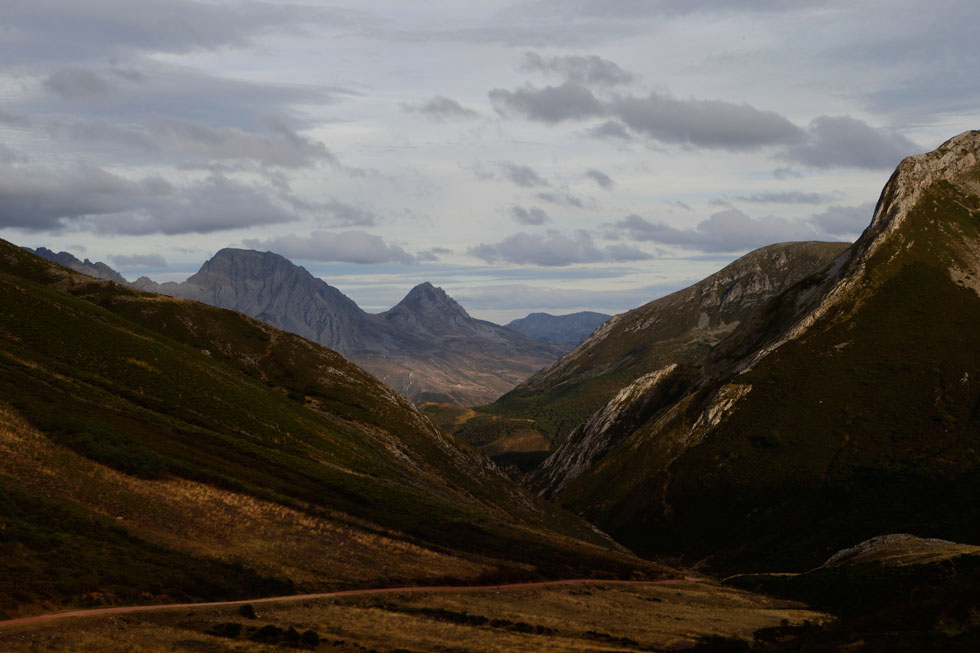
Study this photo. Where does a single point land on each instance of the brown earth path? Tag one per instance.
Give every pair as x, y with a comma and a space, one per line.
55, 616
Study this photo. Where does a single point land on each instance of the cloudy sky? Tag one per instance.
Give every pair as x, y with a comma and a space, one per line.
553, 155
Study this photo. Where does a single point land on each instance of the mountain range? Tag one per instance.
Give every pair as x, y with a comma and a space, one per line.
427, 347
843, 408
542, 411
804, 423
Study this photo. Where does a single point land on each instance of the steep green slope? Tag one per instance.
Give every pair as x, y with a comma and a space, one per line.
194, 443
849, 406
678, 328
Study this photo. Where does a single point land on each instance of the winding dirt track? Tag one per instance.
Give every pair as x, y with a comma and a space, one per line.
56, 616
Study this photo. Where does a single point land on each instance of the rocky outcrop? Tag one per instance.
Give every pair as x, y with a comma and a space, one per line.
588, 443
98, 270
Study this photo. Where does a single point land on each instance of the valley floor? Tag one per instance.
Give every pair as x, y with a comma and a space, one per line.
571, 616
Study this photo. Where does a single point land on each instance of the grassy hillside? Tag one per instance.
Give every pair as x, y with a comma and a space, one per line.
194, 443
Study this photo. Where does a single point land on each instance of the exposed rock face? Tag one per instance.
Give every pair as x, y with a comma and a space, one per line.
98, 270
569, 329
271, 288
681, 325
679, 328
588, 443
429, 312
842, 408
426, 347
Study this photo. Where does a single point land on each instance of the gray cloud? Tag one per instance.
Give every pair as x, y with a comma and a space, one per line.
589, 69
531, 216
712, 124
552, 104
344, 247
278, 145
76, 82
347, 215
87, 197
700, 123
704, 123
786, 173
15, 120
179, 94
215, 204
601, 178
610, 129
41, 199
153, 261
187, 142
522, 175
786, 197
65, 30
844, 220
440, 107
553, 249
562, 198
725, 231
8, 155
632, 9
845, 141
432, 254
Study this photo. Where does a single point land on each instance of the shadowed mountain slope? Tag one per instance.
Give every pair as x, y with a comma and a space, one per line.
680, 327
569, 329
846, 407
98, 270
154, 448
426, 347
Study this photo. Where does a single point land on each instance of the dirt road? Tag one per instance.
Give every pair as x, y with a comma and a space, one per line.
55, 616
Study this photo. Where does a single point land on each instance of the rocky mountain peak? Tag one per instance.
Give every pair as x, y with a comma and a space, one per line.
244, 263
428, 311
426, 297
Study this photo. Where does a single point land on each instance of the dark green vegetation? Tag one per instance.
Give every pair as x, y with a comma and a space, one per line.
866, 422
175, 394
915, 609
681, 327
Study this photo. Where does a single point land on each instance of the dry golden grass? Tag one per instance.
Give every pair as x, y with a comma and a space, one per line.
585, 617
314, 552
522, 440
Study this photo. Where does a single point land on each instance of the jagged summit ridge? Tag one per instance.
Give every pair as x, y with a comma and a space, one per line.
428, 311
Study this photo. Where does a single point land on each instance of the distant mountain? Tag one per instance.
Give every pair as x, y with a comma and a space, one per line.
98, 270
159, 449
426, 347
568, 329
271, 288
846, 407
540, 413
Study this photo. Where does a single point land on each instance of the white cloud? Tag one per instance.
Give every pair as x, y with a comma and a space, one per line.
554, 249
345, 247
